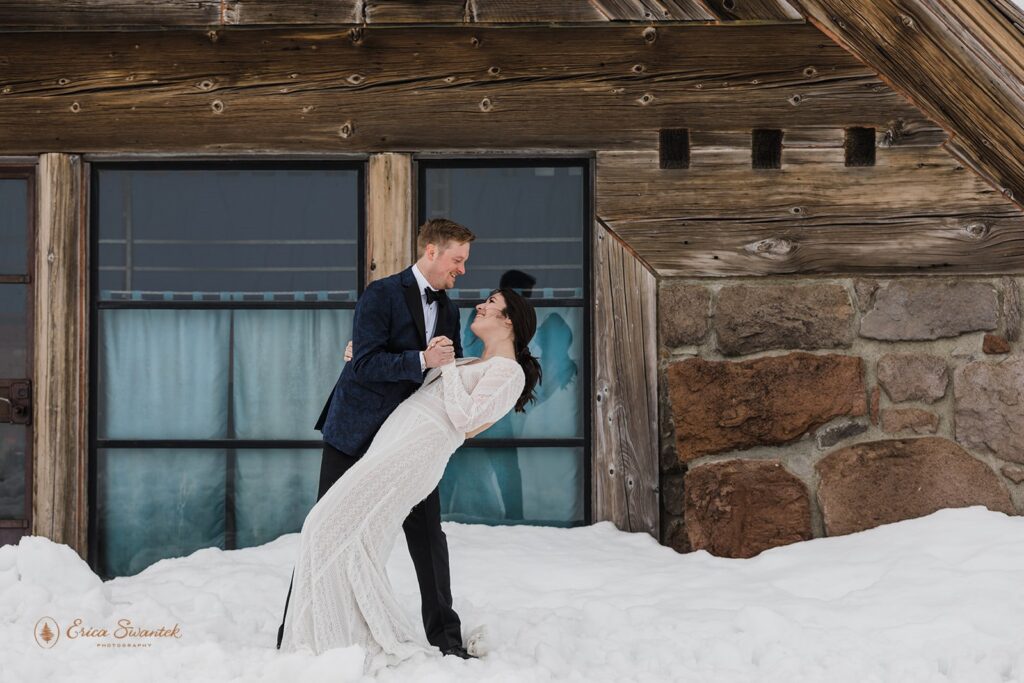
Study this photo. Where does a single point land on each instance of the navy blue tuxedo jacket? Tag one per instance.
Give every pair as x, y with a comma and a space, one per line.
387, 335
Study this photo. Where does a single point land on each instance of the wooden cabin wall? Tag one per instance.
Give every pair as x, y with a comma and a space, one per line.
607, 90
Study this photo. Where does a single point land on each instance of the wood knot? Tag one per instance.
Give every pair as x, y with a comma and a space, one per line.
730, 5
449, 79
485, 104
75, 108
795, 100
62, 81
205, 84
1007, 192
346, 130
356, 79
214, 36
6, 90
293, 76
639, 68
308, 108
646, 98
810, 71
775, 248
699, 86
796, 210
907, 20
475, 42
976, 230
494, 71
650, 34
355, 35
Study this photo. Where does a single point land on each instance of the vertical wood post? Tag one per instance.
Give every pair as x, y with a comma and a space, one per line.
390, 232
625, 401
60, 357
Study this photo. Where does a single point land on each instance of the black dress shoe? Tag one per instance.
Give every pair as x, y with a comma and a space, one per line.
458, 651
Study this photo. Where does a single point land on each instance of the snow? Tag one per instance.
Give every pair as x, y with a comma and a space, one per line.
939, 598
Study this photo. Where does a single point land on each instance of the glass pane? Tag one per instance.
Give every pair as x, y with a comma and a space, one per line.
227, 231
526, 219
13, 331
274, 491
13, 226
12, 471
514, 485
286, 364
155, 504
163, 374
558, 345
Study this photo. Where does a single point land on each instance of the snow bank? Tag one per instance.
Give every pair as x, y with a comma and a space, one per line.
934, 599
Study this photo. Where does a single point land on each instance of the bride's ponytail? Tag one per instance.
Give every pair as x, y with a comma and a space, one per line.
524, 324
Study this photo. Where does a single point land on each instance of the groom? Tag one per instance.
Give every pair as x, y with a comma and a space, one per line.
395, 319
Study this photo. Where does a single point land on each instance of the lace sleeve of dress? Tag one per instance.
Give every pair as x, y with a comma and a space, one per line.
493, 396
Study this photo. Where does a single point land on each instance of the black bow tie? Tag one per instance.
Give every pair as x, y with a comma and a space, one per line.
435, 295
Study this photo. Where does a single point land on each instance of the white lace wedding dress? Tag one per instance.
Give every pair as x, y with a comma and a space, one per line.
341, 594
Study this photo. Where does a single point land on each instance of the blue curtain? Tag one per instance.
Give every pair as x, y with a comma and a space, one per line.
286, 363
274, 490
157, 503
163, 374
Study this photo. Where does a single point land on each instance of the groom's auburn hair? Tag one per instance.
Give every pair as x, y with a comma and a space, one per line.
441, 231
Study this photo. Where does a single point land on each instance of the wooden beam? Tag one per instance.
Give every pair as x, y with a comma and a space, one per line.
962, 62
390, 233
423, 89
107, 14
32, 15
291, 12
753, 10
60, 356
917, 210
625, 400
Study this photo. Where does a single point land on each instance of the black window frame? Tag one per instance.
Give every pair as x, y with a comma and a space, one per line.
586, 164
230, 446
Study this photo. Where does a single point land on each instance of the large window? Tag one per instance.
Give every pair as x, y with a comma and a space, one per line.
15, 352
223, 300
531, 219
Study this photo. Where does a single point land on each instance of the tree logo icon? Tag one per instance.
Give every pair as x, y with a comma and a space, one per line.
47, 633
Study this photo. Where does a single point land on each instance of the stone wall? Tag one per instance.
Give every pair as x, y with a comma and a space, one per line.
792, 409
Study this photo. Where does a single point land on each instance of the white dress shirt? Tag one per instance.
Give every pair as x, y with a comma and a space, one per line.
429, 310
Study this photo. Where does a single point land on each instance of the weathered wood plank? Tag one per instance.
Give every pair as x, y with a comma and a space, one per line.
60, 356
765, 10
962, 62
916, 210
687, 10
290, 12
411, 89
107, 14
417, 11
812, 183
625, 443
653, 10
533, 11
389, 219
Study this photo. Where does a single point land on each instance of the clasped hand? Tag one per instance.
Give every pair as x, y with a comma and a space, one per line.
440, 351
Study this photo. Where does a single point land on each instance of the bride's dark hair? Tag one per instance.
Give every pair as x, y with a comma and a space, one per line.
524, 325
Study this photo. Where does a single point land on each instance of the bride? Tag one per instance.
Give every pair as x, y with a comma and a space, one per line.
341, 594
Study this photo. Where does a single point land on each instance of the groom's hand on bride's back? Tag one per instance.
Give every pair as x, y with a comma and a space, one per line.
348, 352
440, 351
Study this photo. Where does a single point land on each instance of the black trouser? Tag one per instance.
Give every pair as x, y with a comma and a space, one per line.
428, 548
